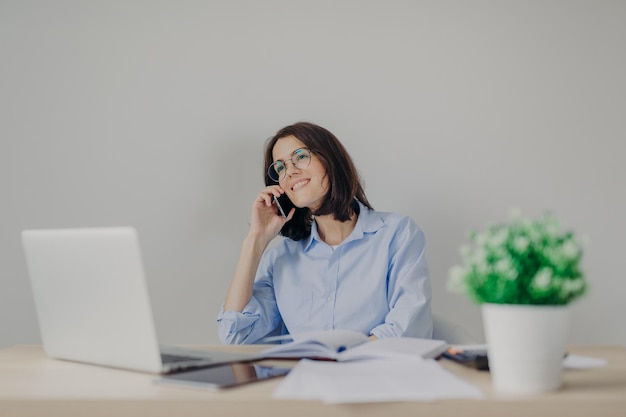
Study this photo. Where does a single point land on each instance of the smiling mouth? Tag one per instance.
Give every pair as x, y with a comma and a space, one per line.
299, 185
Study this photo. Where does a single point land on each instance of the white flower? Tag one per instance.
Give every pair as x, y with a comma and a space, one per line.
552, 255
476, 255
481, 239
504, 267
569, 249
570, 286
520, 243
541, 280
498, 238
481, 268
550, 226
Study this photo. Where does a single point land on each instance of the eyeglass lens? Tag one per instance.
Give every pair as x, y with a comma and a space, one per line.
300, 159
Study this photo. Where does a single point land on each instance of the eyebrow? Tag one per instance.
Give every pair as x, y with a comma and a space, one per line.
291, 154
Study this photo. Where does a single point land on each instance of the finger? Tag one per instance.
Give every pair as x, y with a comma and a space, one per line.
266, 196
277, 191
273, 190
261, 200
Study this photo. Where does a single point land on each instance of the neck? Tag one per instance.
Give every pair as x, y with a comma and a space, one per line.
333, 231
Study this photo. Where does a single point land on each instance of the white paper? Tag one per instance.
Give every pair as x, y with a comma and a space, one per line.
373, 381
583, 362
398, 348
473, 347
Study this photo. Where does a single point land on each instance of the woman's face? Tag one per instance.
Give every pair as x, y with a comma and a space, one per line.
306, 187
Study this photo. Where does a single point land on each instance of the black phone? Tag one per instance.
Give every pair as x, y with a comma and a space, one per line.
476, 359
284, 204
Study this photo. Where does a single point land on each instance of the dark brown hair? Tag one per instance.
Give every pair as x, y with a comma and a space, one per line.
343, 179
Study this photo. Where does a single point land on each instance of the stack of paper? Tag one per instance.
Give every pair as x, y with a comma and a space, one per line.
377, 380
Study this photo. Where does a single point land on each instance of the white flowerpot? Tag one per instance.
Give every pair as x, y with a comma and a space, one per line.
526, 344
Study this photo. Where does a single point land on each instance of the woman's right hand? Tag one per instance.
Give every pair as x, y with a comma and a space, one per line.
265, 219
265, 224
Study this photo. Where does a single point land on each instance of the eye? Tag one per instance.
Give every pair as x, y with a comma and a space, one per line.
300, 155
279, 167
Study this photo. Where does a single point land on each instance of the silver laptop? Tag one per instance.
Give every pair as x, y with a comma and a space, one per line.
92, 302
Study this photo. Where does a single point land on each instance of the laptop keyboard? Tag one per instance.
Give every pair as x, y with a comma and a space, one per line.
170, 358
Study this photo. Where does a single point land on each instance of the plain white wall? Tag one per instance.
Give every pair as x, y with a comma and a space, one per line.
154, 114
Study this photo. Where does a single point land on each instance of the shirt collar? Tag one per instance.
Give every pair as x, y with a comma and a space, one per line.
367, 222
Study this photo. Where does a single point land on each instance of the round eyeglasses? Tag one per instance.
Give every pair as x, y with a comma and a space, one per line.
300, 158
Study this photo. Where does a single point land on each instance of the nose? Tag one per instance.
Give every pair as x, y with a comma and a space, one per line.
290, 166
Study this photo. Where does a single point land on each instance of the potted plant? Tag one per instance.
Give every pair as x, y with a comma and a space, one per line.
524, 274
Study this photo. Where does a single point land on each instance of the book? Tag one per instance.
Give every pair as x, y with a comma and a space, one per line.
347, 345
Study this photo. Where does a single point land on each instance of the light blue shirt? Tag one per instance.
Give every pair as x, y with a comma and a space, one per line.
375, 282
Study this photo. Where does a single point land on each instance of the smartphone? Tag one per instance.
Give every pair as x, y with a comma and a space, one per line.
284, 204
476, 359
225, 376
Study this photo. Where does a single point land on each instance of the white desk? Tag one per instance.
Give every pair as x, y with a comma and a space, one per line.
32, 384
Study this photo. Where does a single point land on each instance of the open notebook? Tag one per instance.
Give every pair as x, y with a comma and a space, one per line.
347, 345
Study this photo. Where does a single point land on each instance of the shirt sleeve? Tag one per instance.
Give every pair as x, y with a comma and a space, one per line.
409, 291
259, 318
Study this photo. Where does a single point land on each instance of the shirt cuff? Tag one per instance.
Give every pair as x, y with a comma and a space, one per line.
234, 326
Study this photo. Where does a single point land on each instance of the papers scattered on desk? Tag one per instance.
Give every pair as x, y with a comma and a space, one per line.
380, 380
389, 369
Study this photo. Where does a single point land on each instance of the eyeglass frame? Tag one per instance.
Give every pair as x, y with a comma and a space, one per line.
294, 163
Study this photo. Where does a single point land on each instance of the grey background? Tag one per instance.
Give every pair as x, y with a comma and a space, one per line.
154, 114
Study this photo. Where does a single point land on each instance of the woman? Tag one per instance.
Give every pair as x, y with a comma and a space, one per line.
341, 265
